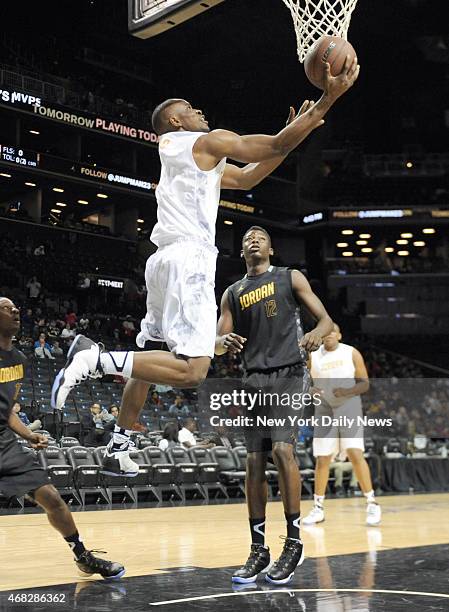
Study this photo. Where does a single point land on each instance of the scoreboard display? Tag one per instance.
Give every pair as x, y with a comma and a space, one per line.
21, 157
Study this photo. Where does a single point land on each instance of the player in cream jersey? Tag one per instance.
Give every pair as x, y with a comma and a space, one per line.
187, 196
180, 276
339, 373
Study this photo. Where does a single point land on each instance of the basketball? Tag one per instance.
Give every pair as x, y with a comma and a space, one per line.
331, 49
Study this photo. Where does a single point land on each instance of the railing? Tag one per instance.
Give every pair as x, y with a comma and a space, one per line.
50, 92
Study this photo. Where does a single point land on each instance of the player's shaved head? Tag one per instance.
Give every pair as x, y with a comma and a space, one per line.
257, 228
160, 116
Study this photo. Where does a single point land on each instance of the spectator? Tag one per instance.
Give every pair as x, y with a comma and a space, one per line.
34, 287
71, 318
17, 408
170, 436
155, 401
56, 350
67, 332
223, 438
114, 411
128, 327
84, 323
185, 436
98, 434
42, 350
178, 408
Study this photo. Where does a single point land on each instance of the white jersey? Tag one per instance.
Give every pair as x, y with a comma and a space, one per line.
331, 369
187, 197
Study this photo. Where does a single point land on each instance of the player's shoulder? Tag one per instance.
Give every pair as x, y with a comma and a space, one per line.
18, 355
349, 348
237, 287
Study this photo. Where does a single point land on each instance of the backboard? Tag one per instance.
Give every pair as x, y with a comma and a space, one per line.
147, 18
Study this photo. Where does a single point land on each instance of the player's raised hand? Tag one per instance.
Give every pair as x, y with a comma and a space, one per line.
233, 343
38, 441
311, 341
336, 86
305, 106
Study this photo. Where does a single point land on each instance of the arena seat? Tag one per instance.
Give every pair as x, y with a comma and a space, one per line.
54, 460
164, 472
207, 471
143, 482
230, 473
187, 472
86, 473
114, 485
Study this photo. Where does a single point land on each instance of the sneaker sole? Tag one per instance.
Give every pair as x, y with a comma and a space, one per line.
127, 474
289, 578
314, 523
117, 576
239, 580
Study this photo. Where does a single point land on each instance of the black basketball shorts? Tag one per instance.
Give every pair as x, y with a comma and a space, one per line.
274, 417
20, 471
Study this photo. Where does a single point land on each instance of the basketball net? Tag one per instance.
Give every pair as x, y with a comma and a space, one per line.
315, 18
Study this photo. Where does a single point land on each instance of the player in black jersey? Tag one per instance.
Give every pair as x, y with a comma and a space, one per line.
260, 319
20, 471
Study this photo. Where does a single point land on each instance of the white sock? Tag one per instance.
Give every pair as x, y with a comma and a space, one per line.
118, 362
120, 439
370, 499
319, 500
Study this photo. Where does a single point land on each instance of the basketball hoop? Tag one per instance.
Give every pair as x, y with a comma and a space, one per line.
315, 18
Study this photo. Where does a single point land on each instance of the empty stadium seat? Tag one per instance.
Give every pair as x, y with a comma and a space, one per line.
54, 460
208, 471
187, 472
164, 472
86, 473
114, 484
230, 473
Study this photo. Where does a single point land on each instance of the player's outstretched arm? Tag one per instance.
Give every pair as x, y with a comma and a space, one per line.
304, 295
216, 145
251, 175
226, 339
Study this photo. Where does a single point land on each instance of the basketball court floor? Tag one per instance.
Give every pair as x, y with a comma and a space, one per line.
182, 558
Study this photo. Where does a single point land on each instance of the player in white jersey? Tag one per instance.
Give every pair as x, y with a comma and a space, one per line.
181, 308
339, 372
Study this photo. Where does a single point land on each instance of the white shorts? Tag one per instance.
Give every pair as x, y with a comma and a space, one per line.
336, 439
181, 307
323, 447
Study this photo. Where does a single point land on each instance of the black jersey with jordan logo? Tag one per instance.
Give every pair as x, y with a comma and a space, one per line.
12, 373
265, 311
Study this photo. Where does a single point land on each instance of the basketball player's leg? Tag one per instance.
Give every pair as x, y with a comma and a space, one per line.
324, 450
322, 468
181, 310
256, 488
363, 474
282, 570
289, 479
361, 469
60, 517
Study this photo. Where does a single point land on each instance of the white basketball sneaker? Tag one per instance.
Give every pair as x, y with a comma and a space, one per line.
316, 515
116, 459
373, 513
83, 361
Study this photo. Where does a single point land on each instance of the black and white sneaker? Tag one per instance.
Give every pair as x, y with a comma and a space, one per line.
283, 569
88, 564
117, 462
83, 361
258, 560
